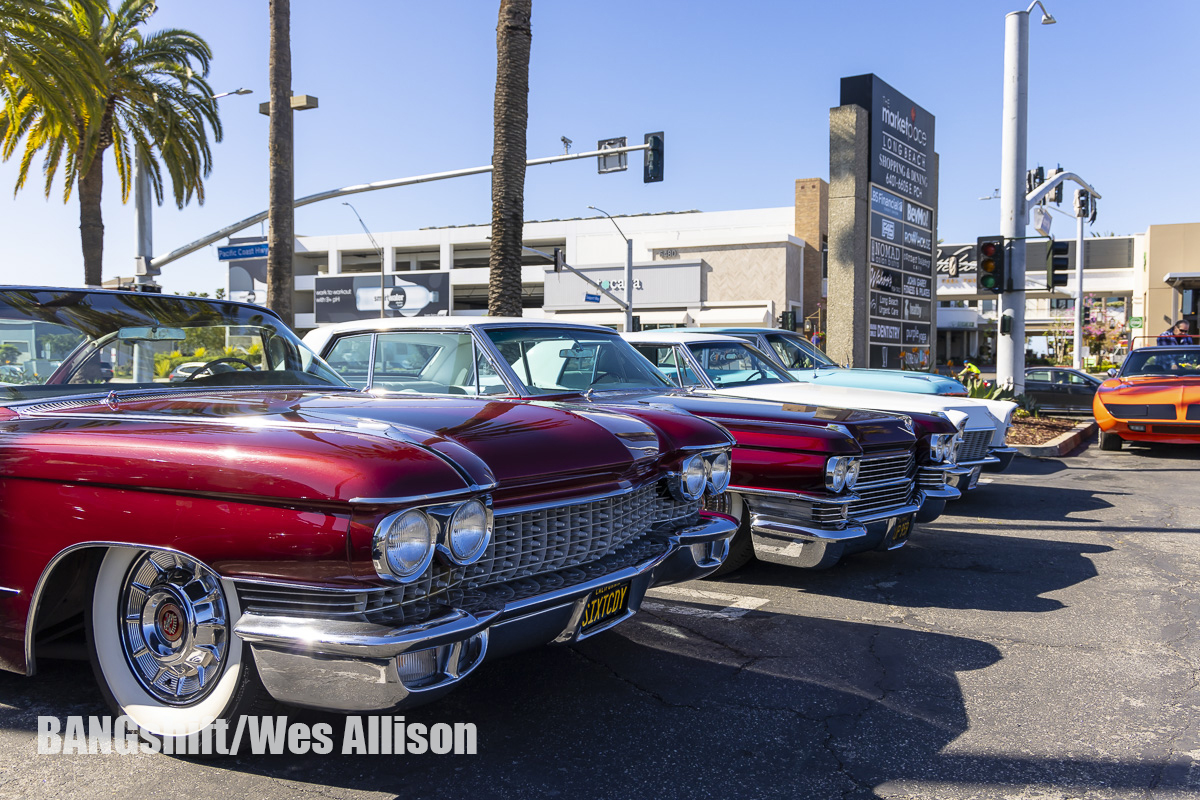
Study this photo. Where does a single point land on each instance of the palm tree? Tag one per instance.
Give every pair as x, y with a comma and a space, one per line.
511, 115
142, 96
281, 214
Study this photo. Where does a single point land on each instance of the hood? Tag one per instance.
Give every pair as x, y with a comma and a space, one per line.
1152, 389
776, 425
883, 379
335, 446
980, 414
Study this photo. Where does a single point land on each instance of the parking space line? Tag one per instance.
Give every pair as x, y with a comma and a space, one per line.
735, 606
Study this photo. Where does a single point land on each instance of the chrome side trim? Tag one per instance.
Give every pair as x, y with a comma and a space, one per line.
6, 590
421, 498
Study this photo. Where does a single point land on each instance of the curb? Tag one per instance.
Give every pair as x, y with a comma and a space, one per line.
1061, 444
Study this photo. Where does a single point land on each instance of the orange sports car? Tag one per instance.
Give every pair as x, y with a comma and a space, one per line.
1154, 398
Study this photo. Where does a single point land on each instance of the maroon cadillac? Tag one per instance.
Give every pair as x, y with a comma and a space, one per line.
263, 530
809, 483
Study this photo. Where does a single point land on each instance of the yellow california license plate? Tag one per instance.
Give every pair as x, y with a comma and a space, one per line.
903, 529
605, 604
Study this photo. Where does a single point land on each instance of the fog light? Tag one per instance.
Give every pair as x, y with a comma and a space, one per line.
417, 666
1138, 428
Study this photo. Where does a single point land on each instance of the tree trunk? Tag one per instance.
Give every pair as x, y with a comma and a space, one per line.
91, 220
511, 115
281, 212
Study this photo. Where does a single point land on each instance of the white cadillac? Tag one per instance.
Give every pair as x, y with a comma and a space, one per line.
730, 366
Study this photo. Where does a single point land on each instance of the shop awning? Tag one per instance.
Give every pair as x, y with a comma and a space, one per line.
1182, 280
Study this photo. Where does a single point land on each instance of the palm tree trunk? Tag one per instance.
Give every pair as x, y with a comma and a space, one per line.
281, 212
511, 115
91, 220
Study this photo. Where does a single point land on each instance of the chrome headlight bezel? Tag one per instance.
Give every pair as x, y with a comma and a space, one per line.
841, 472
385, 552
453, 548
693, 477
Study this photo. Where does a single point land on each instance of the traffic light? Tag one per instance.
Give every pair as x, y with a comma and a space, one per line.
1057, 194
1082, 202
560, 259
1058, 263
991, 271
1087, 314
653, 170
787, 320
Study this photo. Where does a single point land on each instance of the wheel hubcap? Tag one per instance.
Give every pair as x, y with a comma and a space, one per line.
175, 631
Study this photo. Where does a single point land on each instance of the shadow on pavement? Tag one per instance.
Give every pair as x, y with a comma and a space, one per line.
946, 568
653, 710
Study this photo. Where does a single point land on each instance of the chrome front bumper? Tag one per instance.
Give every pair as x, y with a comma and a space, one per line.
999, 458
343, 665
794, 540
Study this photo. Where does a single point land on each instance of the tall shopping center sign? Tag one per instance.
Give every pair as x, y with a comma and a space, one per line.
882, 228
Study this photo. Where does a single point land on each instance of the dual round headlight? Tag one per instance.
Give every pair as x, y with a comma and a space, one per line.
701, 472
719, 466
405, 542
841, 472
943, 447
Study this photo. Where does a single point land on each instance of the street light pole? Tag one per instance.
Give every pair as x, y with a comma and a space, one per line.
144, 211
1010, 348
628, 270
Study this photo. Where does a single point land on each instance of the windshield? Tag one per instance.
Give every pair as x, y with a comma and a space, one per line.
1173, 363
795, 353
414, 362
63, 342
728, 365
556, 360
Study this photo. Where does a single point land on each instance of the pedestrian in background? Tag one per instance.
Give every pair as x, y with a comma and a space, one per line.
1177, 334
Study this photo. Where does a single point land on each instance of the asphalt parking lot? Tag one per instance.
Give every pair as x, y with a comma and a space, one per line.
1038, 641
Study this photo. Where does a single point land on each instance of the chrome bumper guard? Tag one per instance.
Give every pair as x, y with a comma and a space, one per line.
349, 665
941, 482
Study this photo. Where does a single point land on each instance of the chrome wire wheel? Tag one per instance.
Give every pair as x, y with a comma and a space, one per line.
161, 642
175, 626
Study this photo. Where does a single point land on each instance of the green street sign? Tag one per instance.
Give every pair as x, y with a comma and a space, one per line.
1135, 322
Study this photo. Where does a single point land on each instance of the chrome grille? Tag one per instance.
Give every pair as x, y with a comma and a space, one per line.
530, 552
875, 470
885, 481
549, 539
974, 445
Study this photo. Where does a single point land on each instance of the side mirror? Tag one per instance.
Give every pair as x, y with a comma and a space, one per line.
1112, 372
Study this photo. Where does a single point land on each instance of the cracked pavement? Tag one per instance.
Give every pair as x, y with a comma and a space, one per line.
1036, 642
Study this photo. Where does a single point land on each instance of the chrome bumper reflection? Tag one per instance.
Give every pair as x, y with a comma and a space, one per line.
345, 665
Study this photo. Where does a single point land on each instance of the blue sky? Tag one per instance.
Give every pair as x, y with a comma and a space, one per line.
742, 91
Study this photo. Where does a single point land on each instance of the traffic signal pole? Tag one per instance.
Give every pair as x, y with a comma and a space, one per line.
1077, 359
1010, 347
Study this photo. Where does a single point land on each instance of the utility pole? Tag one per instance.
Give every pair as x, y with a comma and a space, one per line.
1010, 349
1077, 359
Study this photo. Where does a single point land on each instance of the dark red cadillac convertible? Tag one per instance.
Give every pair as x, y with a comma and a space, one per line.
809, 485
263, 528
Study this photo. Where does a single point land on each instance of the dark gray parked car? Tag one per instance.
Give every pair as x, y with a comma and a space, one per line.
1061, 389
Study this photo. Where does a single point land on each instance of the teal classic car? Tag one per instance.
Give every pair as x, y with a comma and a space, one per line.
807, 363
